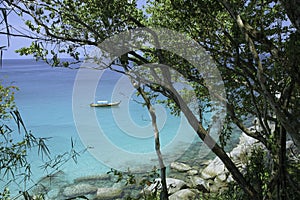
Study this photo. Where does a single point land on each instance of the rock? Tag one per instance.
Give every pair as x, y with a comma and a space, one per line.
50, 181
199, 183
192, 172
215, 188
229, 179
239, 154
214, 168
207, 162
79, 189
53, 194
92, 178
173, 185
185, 194
245, 145
119, 185
40, 189
51, 184
181, 167
209, 183
236, 152
207, 176
108, 193
289, 144
222, 177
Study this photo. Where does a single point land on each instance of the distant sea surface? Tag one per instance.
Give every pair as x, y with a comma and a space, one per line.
45, 103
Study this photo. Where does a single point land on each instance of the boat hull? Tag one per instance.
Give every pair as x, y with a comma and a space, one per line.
105, 104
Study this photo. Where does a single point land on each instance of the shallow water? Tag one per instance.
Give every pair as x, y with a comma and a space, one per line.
54, 103
46, 103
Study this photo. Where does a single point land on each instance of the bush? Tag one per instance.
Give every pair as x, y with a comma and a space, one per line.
262, 174
15, 143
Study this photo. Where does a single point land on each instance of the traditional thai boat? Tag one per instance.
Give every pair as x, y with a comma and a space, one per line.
104, 104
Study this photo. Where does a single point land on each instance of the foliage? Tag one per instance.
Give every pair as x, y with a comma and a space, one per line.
90, 16
252, 42
5, 195
4, 21
12, 154
14, 148
7, 101
221, 35
15, 145
259, 171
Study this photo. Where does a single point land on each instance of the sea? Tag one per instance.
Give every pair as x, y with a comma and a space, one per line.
54, 104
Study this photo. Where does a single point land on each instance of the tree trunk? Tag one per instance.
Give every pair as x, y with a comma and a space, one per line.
164, 191
282, 165
211, 143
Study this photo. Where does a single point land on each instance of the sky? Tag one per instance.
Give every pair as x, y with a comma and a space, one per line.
17, 42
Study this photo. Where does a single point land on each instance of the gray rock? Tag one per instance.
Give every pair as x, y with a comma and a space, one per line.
236, 152
185, 194
50, 181
199, 183
247, 140
208, 176
209, 183
181, 167
192, 172
207, 162
214, 168
108, 193
289, 144
119, 185
173, 185
215, 188
93, 178
245, 145
52, 194
40, 189
222, 177
79, 189
230, 178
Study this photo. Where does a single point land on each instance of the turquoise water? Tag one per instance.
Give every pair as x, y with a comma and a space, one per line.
47, 104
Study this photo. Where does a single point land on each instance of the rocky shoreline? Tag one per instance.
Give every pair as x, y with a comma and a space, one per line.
185, 181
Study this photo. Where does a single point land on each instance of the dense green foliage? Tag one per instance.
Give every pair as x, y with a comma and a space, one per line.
253, 43
259, 173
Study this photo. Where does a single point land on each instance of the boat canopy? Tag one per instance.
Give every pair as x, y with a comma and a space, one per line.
102, 102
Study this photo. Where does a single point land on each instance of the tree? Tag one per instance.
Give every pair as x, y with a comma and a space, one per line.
255, 48
162, 167
252, 42
3, 18
14, 166
16, 143
245, 47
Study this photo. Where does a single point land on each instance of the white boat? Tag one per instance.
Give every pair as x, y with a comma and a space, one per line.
104, 104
